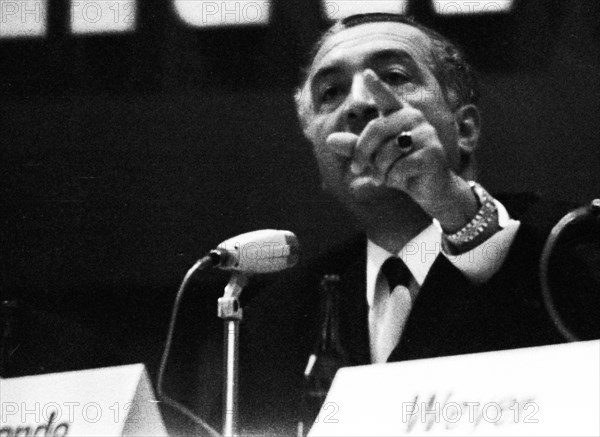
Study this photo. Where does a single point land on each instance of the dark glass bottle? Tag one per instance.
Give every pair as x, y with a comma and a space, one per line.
328, 354
9, 309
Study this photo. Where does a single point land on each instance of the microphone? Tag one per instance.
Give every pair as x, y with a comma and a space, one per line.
263, 251
569, 273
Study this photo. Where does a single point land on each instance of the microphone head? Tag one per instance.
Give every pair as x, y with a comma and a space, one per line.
263, 251
570, 273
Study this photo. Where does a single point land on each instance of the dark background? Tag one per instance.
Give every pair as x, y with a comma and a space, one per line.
126, 157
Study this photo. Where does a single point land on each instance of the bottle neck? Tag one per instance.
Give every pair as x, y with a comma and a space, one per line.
329, 336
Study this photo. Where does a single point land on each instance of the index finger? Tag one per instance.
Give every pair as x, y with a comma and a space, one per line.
385, 100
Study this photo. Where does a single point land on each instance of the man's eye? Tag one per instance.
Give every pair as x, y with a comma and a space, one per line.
394, 77
329, 94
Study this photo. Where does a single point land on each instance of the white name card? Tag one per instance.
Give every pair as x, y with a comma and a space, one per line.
541, 391
113, 401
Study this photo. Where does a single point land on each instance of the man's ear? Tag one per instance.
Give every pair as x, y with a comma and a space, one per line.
468, 124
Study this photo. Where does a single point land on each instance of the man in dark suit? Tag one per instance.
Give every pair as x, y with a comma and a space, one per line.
390, 108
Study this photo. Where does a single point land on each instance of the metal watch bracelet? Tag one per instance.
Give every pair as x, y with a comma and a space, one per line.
486, 217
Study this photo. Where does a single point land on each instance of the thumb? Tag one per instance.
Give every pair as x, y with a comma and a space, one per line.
342, 143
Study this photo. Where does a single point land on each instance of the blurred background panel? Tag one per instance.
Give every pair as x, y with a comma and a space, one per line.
137, 135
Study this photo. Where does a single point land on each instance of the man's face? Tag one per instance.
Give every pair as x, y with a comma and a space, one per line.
335, 93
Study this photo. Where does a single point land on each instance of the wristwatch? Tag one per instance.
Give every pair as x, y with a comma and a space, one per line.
482, 226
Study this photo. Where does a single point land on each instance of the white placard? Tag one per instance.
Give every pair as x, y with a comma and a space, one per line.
112, 401
541, 391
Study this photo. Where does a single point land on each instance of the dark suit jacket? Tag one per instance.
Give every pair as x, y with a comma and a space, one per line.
450, 316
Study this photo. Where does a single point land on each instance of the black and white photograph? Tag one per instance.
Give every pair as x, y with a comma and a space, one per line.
300, 218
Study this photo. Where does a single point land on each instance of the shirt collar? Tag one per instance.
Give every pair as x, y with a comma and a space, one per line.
418, 254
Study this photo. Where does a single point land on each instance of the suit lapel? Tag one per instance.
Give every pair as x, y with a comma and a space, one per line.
441, 303
436, 311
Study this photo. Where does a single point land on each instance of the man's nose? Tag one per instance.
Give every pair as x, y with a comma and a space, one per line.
360, 107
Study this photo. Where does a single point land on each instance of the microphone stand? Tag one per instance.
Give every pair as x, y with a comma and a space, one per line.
230, 311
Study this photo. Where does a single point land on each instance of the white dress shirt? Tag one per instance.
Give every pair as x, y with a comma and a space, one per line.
419, 254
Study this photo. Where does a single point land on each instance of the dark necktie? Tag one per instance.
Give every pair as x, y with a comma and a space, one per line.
396, 272
390, 309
